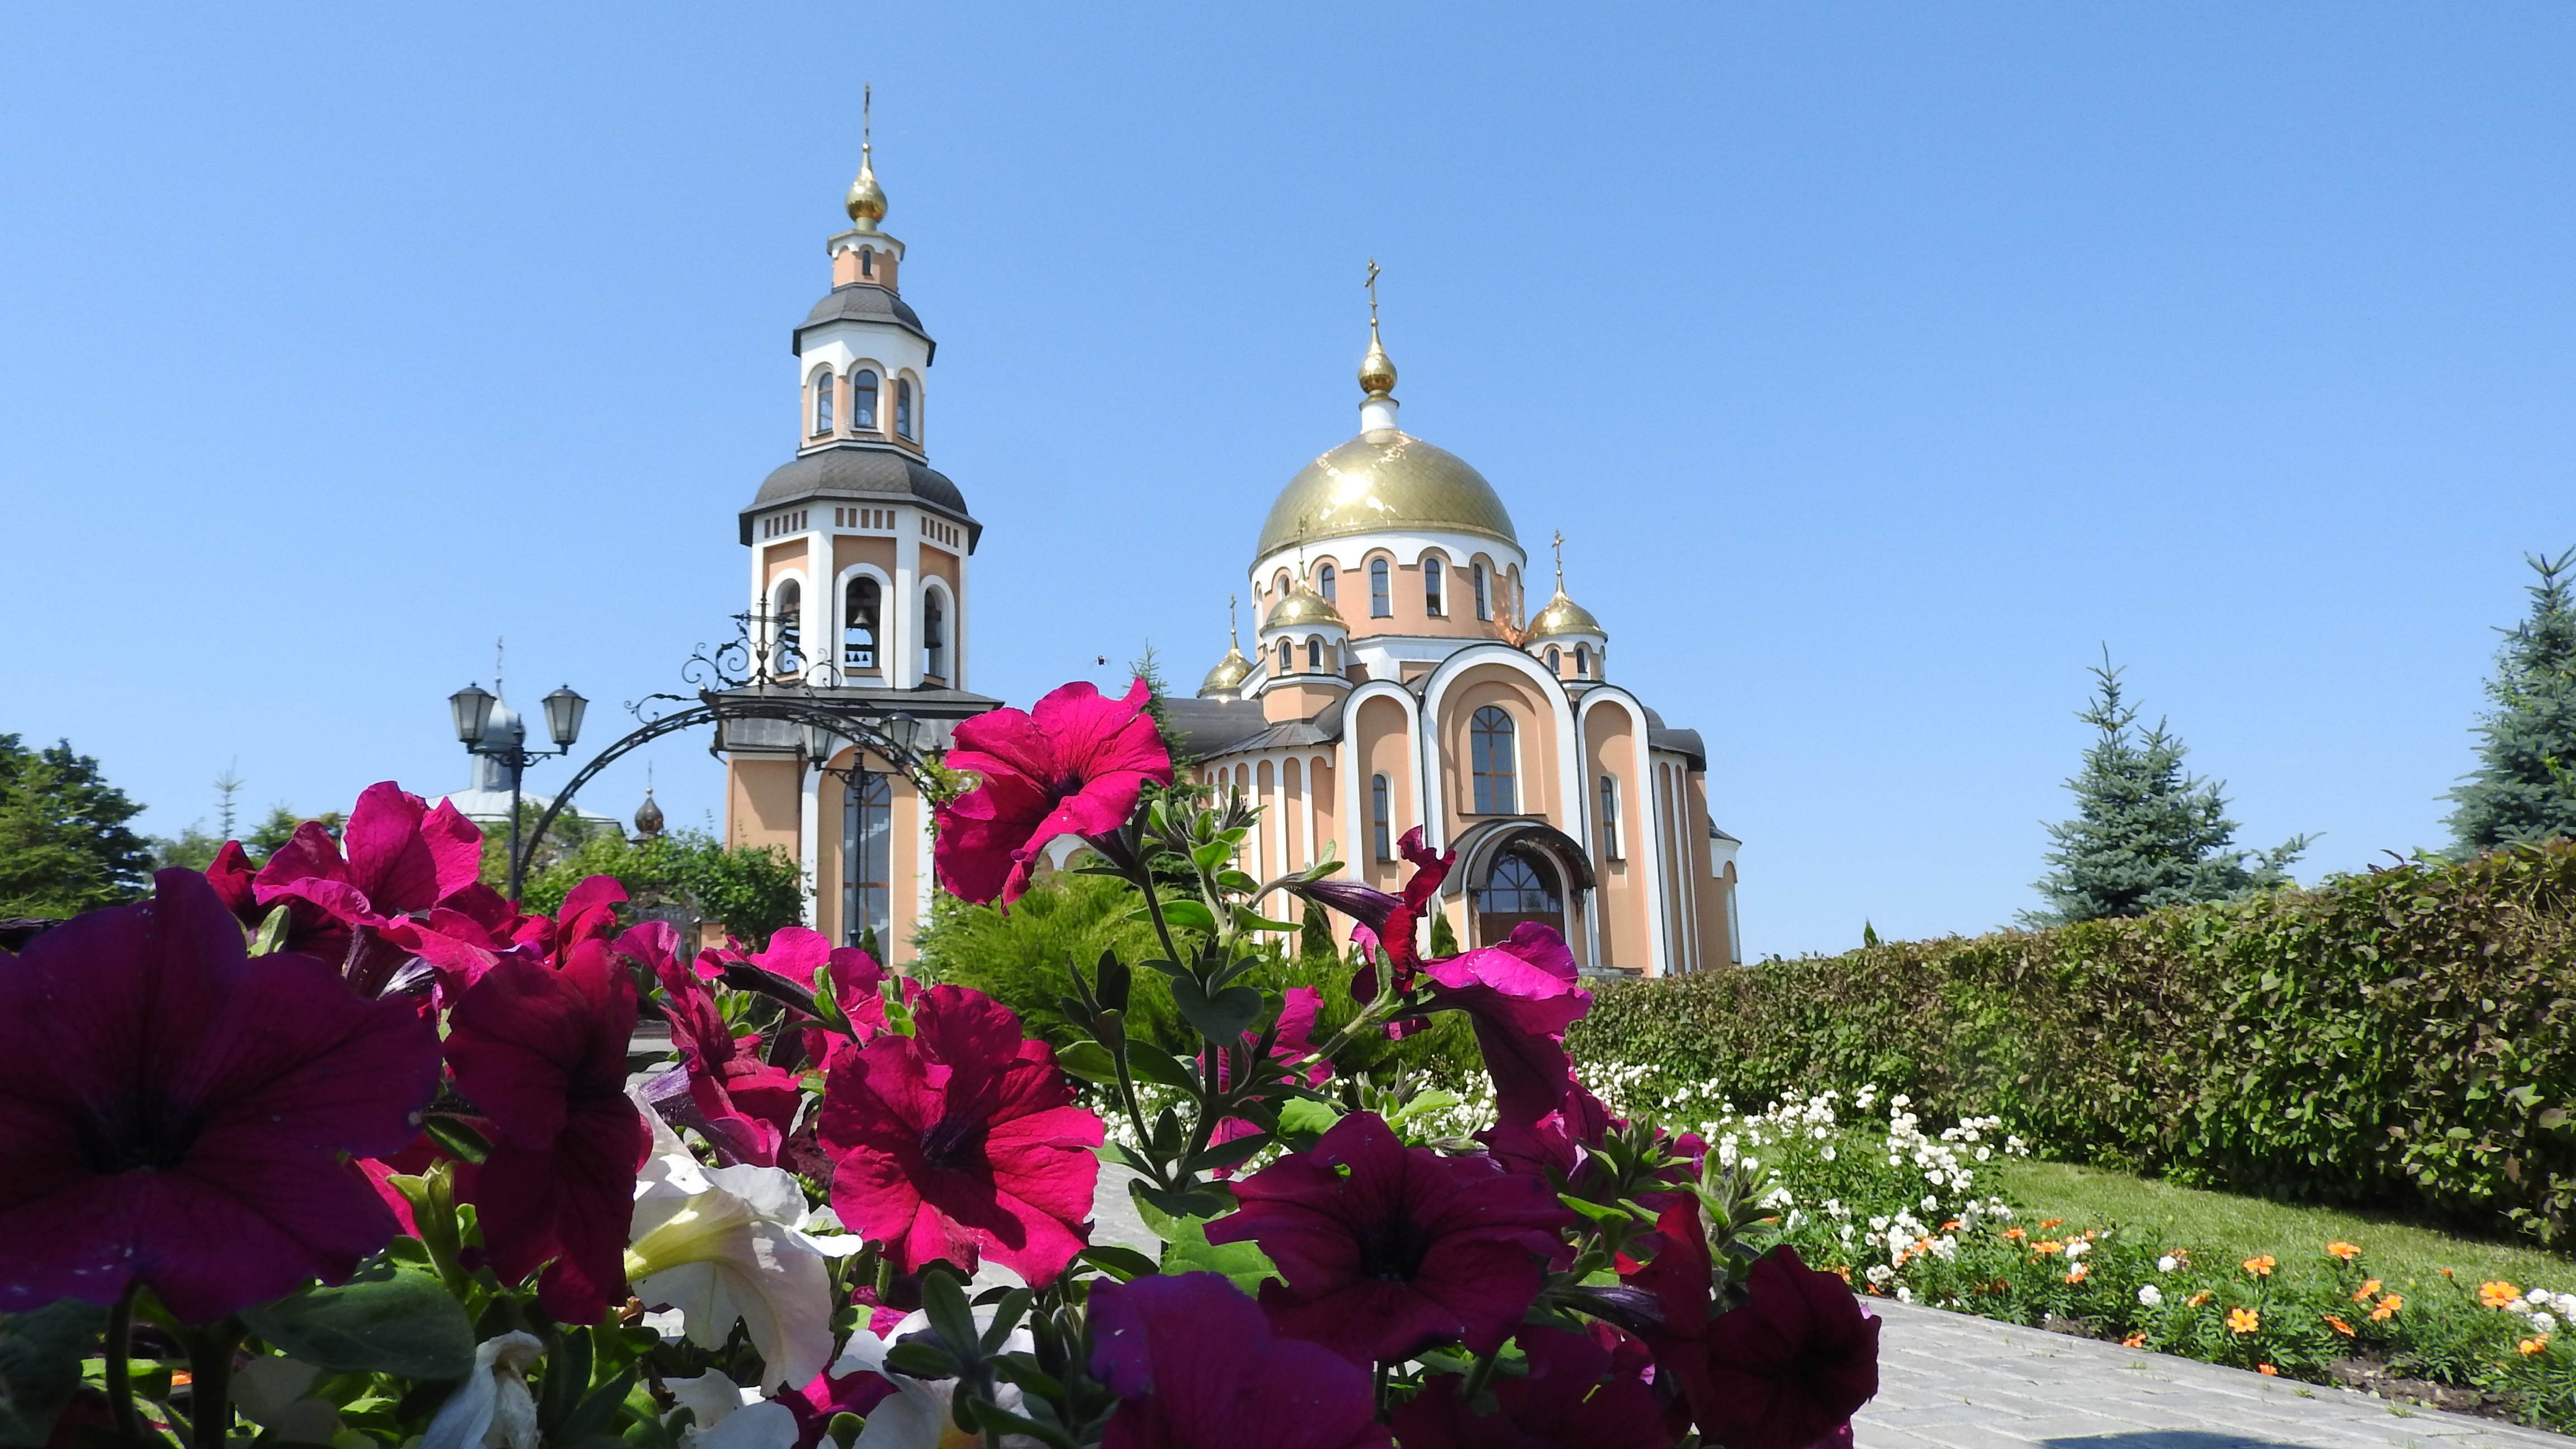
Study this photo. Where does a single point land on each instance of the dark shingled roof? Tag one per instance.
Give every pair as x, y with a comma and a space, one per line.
1212, 727
861, 302
866, 473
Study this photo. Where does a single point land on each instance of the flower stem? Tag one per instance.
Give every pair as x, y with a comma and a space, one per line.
210, 1384
120, 1381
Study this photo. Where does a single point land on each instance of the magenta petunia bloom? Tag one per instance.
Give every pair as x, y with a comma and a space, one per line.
1786, 1370
1521, 996
541, 1053
742, 1104
961, 1141
1073, 766
795, 953
1298, 1008
176, 1111
1388, 1249
1195, 1367
1576, 1395
1391, 921
402, 856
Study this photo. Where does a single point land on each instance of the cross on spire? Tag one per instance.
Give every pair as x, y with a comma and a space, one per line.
1233, 630
1560, 560
1371, 284
867, 115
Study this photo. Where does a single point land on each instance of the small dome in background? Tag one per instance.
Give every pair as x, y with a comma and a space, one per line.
648, 816
1228, 676
1301, 608
504, 728
1564, 616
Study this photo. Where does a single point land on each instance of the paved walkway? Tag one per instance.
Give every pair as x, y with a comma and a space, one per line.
1950, 1381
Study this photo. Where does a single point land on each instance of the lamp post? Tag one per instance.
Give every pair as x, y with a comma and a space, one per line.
472, 711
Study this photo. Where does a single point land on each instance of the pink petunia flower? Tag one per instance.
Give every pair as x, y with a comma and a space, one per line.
1786, 1370
1577, 1394
742, 1104
961, 1141
1195, 1367
1391, 922
1388, 1249
795, 953
542, 1054
1521, 996
1073, 766
402, 858
176, 1111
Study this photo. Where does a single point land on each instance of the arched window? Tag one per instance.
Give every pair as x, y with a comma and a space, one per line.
1381, 592
1381, 818
1516, 887
1287, 657
1484, 593
867, 261
1279, 583
1328, 584
1610, 817
863, 399
859, 625
1489, 749
1314, 654
1583, 661
867, 859
786, 618
934, 632
903, 407
823, 391
1431, 603
1555, 662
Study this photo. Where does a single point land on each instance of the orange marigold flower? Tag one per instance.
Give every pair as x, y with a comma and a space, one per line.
2077, 1273
2045, 1246
2260, 1267
2267, 1371
2135, 1340
2338, 1325
1951, 1226
2530, 1346
2052, 1222
2364, 1293
2499, 1294
2243, 1320
2197, 1299
1842, 1272
2344, 1250
2015, 1234
2387, 1308
2447, 1273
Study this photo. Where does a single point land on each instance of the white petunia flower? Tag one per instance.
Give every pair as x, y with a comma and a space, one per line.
2543, 1324
2151, 1296
492, 1409
2519, 1305
2536, 1296
2078, 1247
2565, 1303
725, 1415
727, 1243
917, 1417
2167, 1263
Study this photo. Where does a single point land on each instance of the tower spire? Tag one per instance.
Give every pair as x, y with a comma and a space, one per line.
1377, 370
867, 201
1233, 627
1559, 546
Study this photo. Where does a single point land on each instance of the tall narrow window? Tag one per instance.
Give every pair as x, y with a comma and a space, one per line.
789, 623
867, 261
1610, 817
859, 626
903, 407
1583, 661
1484, 593
1555, 662
1381, 818
823, 391
934, 635
1381, 591
1431, 603
863, 399
1314, 655
1328, 584
867, 859
1489, 750
1287, 657
1279, 584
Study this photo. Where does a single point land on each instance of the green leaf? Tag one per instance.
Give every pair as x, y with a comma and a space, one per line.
272, 932
457, 1136
1119, 1263
1158, 1066
1191, 914
1088, 1060
1303, 1118
385, 1319
1203, 1201
1191, 1252
1245, 920
40, 1366
1221, 1017
1228, 1154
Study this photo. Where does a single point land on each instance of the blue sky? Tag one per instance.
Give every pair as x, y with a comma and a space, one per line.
1881, 363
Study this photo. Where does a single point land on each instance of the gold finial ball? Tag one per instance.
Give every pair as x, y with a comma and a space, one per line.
1377, 372
867, 201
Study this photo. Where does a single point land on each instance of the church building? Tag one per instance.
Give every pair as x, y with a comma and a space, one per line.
1397, 681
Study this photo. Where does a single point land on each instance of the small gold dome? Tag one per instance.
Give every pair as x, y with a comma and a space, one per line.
1377, 370
867, 201
1228, 676
1564, 616
648, 816
1303, 607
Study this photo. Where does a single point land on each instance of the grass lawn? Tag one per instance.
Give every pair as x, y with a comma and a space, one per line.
2222, 1227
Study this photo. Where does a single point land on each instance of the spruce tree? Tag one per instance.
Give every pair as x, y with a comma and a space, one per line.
2146, 833
1315, 935
2524, 787
65, 844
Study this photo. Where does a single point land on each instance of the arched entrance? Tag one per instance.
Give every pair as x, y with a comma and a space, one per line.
1519, 886
1512, 871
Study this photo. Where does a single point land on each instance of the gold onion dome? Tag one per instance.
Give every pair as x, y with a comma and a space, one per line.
648, 816
1382, 481
1564, 616
1229, 674
1301, 608
867, 201
1377, 370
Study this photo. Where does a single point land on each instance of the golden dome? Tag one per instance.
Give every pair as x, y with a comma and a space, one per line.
1379, 481
1228, 676
1302, 608
1564, 616
1377, 370
867, 200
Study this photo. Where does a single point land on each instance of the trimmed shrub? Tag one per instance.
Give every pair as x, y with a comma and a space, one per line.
2403, 1039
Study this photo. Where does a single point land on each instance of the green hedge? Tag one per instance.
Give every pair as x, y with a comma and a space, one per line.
2402, 1040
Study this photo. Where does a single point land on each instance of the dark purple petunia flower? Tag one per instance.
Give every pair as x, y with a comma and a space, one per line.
1576, 1395
1392, 921
1388, 1249
1196, 1368
175, 1111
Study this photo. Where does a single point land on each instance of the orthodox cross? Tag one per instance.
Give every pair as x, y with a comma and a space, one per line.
1560, 560
867, 108
1233, 630
1371, 284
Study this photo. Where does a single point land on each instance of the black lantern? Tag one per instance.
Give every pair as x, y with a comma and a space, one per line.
563, 716
472, 707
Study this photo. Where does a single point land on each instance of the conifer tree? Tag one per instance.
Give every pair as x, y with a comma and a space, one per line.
2524, 787
65, 844
1315, 935
2146, 833
1444, 941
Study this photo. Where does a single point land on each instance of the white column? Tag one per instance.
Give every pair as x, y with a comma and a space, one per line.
957, 627
818, 624
1314, 847
809, 829
904, 669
